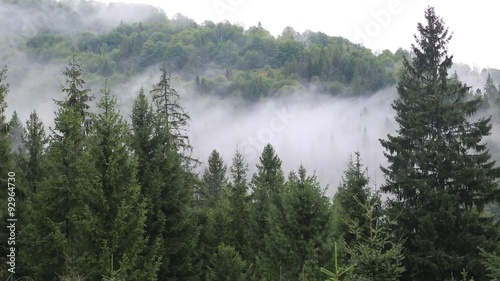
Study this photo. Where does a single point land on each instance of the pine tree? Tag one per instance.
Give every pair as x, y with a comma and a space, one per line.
238, 202
32, 165
167, 103
373, 253
299, 240
490, 90
170, 224
350, 199
58, 247
440, 175
227, 265
77, 96
32, 162
16, 130
214, 179
268, 184
119, 224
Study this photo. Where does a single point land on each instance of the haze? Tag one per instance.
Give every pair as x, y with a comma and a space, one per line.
305, 127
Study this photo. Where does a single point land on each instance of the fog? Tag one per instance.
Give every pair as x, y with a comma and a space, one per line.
305, 127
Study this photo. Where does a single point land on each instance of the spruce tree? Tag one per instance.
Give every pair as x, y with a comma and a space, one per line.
227, 265
119, 223
61, 248
490, 90
77, 96
238, 202
166, 101
226, 221
34, 140
373, 252
31, 161
440, 175
298, 241
16, 131
350, 199
170, 224
268, 184
214, 179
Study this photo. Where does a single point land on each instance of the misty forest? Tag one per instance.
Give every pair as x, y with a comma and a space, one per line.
140, 146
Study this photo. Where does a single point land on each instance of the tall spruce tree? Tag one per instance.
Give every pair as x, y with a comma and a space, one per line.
31, 161
171, 224
238, 202
440, 175
59, 247
119, 224
268, 185
167, 103
77, 96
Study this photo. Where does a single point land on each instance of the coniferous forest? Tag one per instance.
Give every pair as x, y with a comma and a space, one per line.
100, 195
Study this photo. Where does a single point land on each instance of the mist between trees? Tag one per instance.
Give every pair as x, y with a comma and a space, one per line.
259, 168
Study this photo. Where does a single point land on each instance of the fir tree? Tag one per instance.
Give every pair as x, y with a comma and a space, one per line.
120, 232
298, 241
32, 162
373, 253
167, 103
77, 96
268, 184
439, 172
238, 202
61, 248
16, 130
227, 265
171, 224
350, 199
490, 90
214, 179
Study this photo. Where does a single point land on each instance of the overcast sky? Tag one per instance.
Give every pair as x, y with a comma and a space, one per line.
377, 24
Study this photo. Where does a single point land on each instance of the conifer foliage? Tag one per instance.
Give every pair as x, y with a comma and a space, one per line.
440, 175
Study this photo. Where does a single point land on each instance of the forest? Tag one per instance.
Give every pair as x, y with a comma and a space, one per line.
102, 193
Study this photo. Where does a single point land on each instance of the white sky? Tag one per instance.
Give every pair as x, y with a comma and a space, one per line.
378, 24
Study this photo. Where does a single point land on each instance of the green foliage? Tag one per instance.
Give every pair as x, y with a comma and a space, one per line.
174, 118
112, 274
227, 265
299, 238
130, 48
440, 174
375, 255
122, 216
350, 199
339, 271
239, 207
492, 264
166, 184
214, 180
